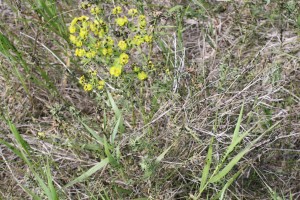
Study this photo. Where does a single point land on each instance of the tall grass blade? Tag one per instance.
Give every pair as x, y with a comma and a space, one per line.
50, 183
221, 194
119, 119
162, 155
18, 137
237, 158
206, 168
88, 173
107, 148
92, 132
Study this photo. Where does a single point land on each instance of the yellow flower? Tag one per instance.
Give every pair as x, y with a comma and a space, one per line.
80, 52
104, 51
110, 41
116, 10
121, 21
85, 24
137, 40
142, 17
142, 21
88, 87
85, 5
142, 75
148, 38
93, 72
72, 29
95, 10
82, 80
78, 43
83, 18
91, 54
132, 12
93, 28
122, 45
101, 84
124, 58
73, 39
150, 64
83, 33
109, 51
74, 21
101, 33
136, 69
97, 45
142, 24
41, 135
115, 71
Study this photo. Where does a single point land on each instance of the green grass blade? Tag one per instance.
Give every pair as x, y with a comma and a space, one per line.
88, 173
12, 148
236, 139
221, 194
118, 114
238, 125
162, 155
111, 159
206, 168
18, 137
236, 159
50, 183
19, 153
115, 130
92, 132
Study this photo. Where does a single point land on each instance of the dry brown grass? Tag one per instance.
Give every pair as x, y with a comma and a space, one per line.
231, 55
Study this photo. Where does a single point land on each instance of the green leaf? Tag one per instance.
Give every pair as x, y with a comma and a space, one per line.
88, 173
111, 159
119, 119
162, 155
236, 159
50, 183
237, 126
206, 168
92, 132
18, 137
221, 194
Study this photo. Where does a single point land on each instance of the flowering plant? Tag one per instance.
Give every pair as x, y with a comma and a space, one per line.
115, 43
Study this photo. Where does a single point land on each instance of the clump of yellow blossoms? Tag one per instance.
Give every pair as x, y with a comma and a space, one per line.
109, 42
117, 10
122, 45
115, 71
142, 75
121, 21
92, 82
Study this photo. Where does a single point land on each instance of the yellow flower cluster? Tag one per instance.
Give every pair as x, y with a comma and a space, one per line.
115, 71
117, 10
124, 58
142, 75
85, 5
93, 82
142, 21
122, 45
95, 10
121, 21
132, 12
97, 40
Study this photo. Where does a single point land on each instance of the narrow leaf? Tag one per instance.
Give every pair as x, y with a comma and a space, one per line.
92, 132
206, 168
236, 159
88, 173
162, 155
18, 137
